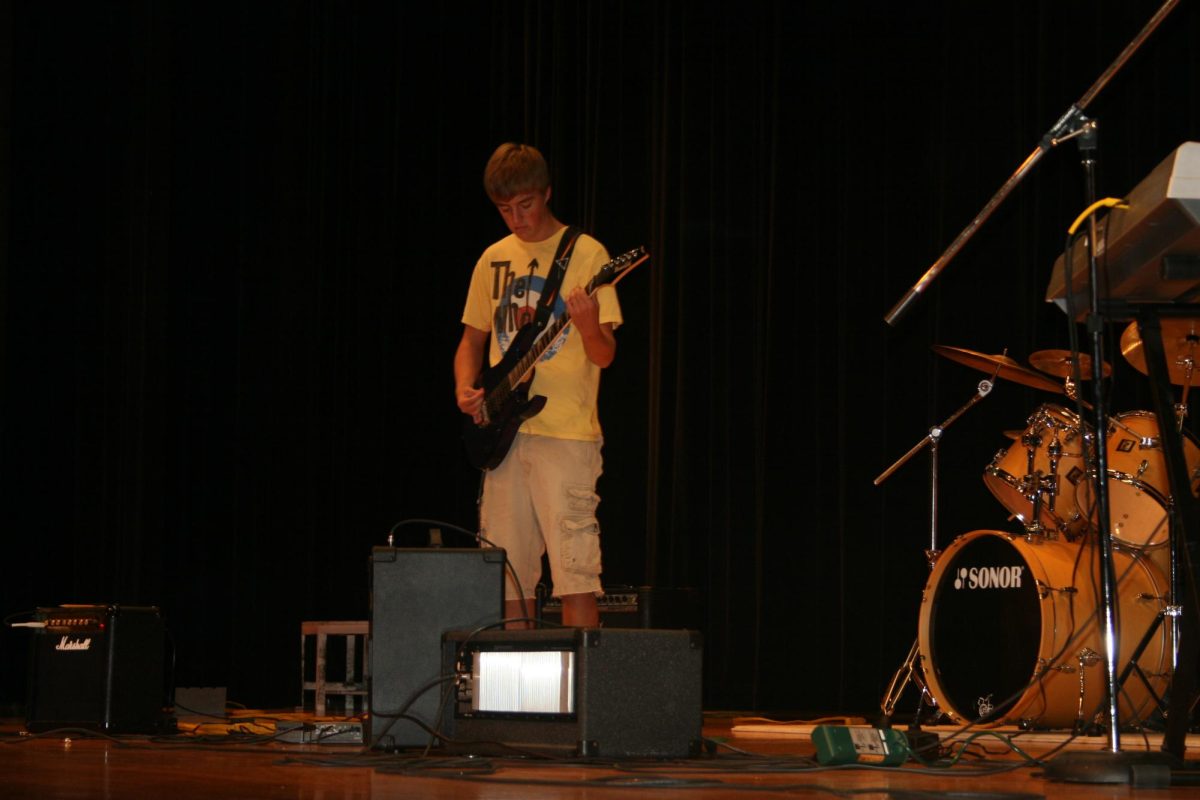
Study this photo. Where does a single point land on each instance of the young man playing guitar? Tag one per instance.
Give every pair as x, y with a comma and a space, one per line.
541, 497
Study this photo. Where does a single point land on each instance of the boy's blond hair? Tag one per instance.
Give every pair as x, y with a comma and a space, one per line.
515, 168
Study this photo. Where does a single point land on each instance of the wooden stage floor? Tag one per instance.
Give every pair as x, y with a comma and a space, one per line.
751, 757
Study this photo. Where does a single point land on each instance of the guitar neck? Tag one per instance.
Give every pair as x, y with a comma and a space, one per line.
527, 362
608, 274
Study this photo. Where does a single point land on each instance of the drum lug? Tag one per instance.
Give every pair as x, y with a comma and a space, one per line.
1088, 658
1044, 590
1043, 668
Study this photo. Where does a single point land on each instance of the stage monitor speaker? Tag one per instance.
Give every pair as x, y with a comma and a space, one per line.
96, 667
612, 693
417, 594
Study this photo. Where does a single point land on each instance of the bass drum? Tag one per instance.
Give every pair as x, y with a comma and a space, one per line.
1008, 624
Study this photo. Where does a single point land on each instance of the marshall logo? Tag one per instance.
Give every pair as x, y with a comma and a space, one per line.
988, 577
77, 644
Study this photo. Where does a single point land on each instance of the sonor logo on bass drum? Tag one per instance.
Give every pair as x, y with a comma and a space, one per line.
78, 644
988, 577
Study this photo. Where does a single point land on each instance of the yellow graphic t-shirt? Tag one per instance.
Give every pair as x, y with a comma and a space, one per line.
505, 290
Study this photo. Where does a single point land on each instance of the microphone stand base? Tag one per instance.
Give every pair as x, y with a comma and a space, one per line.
1139, 769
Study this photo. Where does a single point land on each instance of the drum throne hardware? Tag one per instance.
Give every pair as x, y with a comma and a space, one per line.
909, 671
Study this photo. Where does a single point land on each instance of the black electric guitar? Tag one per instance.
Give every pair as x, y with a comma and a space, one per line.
506, 400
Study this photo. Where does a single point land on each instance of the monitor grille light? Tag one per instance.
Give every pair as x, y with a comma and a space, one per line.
523, 682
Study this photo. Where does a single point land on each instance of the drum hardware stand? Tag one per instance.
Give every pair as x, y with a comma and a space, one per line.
910, 670
1036, 485
1189, 369
1055, 452
1184, 521
1132, 665
1031, 484
1034, 528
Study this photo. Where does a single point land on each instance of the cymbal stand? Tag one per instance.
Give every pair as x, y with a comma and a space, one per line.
910, 669
1189, 369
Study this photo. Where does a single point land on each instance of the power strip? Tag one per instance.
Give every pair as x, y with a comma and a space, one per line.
319, 732
838, 744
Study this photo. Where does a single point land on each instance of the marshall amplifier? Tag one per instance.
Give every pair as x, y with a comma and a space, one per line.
96, 667
601, 692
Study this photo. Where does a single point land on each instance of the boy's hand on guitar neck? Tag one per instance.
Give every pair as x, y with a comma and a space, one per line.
585, 311
598, 341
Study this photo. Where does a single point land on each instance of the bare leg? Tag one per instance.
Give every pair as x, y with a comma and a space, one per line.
514, 609
580, 610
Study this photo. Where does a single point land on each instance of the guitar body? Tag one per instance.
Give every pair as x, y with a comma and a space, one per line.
488, 444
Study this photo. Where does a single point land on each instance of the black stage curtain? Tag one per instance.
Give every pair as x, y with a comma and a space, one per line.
237, 243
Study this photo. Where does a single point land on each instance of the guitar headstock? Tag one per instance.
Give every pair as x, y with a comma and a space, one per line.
619, 267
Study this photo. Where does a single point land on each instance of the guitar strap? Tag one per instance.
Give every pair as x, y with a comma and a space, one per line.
566, 246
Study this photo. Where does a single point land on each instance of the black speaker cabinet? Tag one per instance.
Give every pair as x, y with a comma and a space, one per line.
589, 692
96, 667
418, 594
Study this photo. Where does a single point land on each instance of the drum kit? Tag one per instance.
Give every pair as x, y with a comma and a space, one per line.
1009, 631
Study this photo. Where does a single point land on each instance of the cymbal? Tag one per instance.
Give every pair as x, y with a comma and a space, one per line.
1008, 368
1181, 344
1058, 362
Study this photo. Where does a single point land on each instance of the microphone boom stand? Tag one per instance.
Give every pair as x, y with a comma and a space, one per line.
1112, 765
1052, 137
